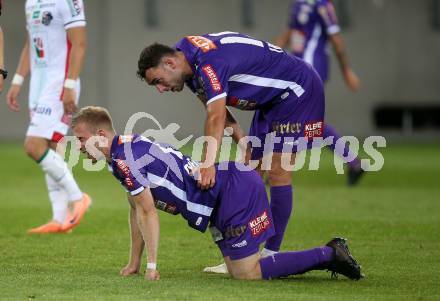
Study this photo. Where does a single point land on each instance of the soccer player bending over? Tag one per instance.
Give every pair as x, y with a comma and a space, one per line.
235, 209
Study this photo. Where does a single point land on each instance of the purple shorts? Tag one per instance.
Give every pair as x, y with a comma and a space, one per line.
294, 120
242, 220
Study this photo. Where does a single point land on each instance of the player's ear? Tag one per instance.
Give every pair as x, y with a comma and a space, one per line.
100, 132
170, 62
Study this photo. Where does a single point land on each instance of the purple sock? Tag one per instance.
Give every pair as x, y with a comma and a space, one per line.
342, 152
281, 203
293, 263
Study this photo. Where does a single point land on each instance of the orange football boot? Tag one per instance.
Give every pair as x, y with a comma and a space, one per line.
79, 209
69, 217
50, 227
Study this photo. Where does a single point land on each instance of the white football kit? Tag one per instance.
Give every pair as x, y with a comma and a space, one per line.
47, 22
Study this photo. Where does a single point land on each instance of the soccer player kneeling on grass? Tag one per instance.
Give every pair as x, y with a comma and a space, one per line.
235, 209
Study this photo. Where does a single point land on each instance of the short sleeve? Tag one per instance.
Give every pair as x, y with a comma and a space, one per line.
123, 173
327, 13
213, 79
72, 13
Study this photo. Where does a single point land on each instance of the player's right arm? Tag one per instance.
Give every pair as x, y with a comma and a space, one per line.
148, 221
231, 122
21, 72
146, 215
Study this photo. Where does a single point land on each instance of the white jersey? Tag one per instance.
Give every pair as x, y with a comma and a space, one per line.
47, 22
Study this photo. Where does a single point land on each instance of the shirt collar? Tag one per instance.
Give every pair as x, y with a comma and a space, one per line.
189, 51
114, 146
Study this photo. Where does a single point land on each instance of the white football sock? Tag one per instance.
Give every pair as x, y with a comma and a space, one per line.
266, 252
54, 165
218, 269
58, 198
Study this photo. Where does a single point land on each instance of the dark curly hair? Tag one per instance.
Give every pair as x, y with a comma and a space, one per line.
150, 57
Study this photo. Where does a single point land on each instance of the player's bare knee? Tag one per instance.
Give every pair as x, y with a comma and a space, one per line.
30, 149
249, 270
35, 148
131, 202
278, 176
250, 274
53, 145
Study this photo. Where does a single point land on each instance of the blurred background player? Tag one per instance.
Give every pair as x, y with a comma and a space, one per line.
236, 209
3, 72
312, 24
231, 69
54, 54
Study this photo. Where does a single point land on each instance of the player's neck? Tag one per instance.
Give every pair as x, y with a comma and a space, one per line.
187, 70
107, 150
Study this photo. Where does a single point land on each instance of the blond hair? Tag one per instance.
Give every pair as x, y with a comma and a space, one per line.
94, 117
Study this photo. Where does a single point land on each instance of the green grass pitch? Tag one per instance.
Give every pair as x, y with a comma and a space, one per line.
392, 220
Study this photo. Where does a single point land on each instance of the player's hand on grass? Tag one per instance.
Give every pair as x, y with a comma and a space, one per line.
2, 80
12, 98
129, 270
69, 97
206, 178
152, 274
351, 80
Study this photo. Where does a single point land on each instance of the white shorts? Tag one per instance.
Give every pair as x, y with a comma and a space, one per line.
48, 119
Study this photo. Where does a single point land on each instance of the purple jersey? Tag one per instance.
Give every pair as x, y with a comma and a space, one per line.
236, 208
137, 162
250, 73
312, 21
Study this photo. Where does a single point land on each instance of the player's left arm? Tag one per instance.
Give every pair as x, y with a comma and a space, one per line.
350, 77
283, 39
237, 131
73, 17
148, 221
78, 41
237, 135
328, 15
136, 241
